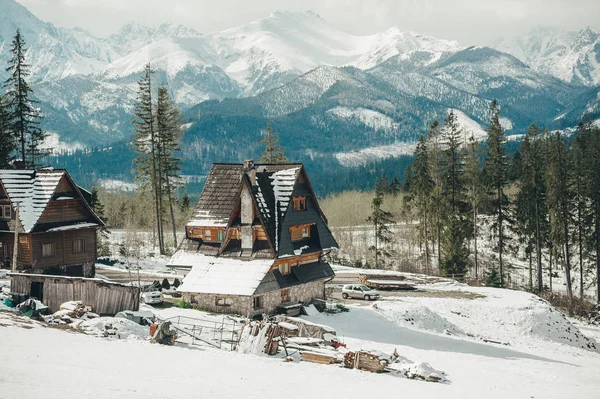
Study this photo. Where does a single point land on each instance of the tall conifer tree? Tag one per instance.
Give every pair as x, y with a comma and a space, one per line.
24, 117
496, 176
7, 137
273, 152
560, 200
146, 144
169, 135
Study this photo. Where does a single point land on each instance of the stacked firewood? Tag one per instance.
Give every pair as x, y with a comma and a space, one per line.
364, 361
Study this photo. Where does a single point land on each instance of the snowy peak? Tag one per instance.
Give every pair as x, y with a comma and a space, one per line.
570, 56
135, 35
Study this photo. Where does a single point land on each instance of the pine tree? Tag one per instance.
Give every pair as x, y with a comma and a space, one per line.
381, 220
169, 135
7, 139
98, 208
578, 184
456, 228
592, 162
531, 205
437, 208
560, 200
474, 191
24, 117
496, 176
146, 145
273, 152
419, 194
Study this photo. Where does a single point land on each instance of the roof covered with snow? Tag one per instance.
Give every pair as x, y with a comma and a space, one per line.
224, 276
31, 190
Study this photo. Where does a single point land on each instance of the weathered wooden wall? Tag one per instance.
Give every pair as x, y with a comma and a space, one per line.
63, 248
104, 298
65, 210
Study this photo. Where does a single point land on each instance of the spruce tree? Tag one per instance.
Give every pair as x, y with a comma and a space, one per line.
7, 138
456, 228
474, 191
24, 116
169, 135
146, 145
381, 220
531, 204
560, 200
273, 152
437, 208
419, 195
578, 184
496, 176
98, 208
592, 162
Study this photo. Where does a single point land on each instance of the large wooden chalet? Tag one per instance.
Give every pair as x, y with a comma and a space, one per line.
56, 227
256, 241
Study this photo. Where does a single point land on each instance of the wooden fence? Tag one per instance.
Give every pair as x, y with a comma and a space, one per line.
105, 298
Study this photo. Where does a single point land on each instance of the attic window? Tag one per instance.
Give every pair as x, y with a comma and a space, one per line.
48, 250
7, 211
299, 203
300, 232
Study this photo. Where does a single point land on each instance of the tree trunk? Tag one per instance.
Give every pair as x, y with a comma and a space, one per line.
173, 226
530, 271
475, 237
500, 236
538, 247
550, 269
579, 238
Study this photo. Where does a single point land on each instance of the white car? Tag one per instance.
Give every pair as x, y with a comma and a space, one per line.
152, 297
359, 291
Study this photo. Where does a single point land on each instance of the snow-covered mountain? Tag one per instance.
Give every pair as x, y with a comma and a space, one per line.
571, 56
53, 53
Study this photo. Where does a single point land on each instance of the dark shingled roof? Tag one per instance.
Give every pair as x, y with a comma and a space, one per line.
218, 197
274, 185
304, 274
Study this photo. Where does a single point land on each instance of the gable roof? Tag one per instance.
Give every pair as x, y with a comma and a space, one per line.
31, 190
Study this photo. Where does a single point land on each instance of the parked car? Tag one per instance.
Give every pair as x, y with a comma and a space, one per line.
359, 291
143, 318
152, 297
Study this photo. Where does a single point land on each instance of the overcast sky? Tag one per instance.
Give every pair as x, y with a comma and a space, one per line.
469, 21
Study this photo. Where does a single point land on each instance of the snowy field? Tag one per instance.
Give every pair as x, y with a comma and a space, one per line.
489, 343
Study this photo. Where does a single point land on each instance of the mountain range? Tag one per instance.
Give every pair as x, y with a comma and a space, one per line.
337, 99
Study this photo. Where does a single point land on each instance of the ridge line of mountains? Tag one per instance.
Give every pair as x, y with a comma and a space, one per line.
338, 100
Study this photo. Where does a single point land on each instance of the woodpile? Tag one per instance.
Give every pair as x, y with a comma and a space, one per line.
314, 357
364, 278
364, 361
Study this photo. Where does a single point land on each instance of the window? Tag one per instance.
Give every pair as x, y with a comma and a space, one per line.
284, 268
7, 211
207, 235
257, 302
78, 245
299, 203
300, 232
223, 301
220, 235
285, 295
48, 249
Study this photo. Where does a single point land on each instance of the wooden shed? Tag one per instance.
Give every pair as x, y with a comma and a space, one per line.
105, 298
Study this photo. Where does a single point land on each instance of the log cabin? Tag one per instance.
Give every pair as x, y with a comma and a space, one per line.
56, 227
255, 242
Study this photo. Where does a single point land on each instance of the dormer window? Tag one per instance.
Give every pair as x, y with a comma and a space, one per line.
300, 232
299, 203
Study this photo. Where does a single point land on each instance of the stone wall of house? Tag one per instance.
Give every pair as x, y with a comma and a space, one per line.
244, 305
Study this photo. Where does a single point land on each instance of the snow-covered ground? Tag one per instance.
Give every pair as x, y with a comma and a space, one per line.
448, 327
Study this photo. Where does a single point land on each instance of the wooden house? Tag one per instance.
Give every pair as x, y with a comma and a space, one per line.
56, 227
256, 240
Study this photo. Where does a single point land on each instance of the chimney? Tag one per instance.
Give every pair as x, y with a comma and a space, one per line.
250, 170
